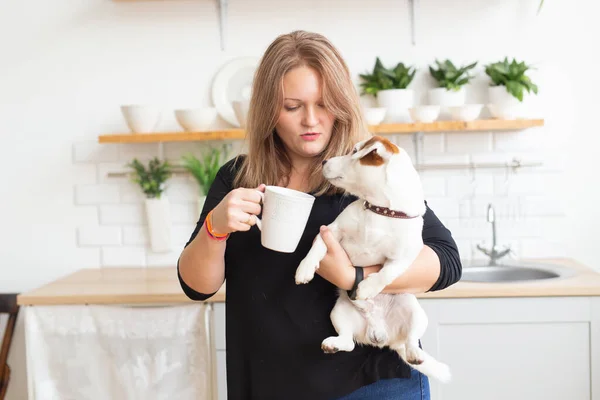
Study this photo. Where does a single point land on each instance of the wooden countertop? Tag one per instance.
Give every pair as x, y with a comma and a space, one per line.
160, 285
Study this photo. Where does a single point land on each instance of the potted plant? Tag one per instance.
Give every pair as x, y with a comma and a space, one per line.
204, 170
508, 88
450, 81
540, 6
390, 88
151, 180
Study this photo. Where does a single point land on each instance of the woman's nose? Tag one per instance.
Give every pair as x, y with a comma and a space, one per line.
310, 117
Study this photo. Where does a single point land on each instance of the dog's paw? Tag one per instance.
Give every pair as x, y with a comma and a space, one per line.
377, 336
368, 289
414, 355
333, 344
306, 271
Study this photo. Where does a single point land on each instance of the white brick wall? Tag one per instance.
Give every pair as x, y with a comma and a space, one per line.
468, 142
105, 193
122, 214
124, 256
99, 236
526, 201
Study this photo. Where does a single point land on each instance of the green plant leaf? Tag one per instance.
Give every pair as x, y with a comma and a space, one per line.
382, 78
151, 179
516, 89
448, 76
205, 169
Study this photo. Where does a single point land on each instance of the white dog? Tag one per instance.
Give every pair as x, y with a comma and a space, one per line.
384, 226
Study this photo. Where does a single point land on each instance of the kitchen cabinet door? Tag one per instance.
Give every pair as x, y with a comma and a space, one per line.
221, 378
514, 348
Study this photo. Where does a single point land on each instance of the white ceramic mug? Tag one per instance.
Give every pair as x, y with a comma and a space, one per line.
285, 213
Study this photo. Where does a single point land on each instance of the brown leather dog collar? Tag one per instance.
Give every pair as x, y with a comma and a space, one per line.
387, 212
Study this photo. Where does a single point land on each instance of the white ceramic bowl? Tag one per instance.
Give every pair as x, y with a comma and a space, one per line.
374, 115
467, 112
428, 113
240, 109
141, 118
196, 119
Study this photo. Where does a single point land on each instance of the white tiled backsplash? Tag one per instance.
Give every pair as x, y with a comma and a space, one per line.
528, 212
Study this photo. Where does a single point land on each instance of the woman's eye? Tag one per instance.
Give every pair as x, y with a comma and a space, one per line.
290, 108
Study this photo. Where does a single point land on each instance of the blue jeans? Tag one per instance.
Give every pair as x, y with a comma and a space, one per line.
414, 388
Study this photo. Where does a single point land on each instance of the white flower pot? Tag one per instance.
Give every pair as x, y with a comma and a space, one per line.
499, 95
201, 200
397, 102
158, 213
504, 105
447, 98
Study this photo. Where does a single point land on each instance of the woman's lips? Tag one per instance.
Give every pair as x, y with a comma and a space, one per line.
310, 136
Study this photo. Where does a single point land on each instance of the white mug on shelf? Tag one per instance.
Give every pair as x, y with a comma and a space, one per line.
285, 213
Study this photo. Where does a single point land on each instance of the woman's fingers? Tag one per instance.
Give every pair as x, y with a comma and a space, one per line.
250, 207
252, 195
333, 246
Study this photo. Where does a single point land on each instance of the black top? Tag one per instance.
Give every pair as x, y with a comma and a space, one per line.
274, 328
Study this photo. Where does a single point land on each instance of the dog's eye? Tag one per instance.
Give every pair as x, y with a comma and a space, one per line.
354, 151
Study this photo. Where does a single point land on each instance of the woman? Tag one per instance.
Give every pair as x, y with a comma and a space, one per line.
304, 109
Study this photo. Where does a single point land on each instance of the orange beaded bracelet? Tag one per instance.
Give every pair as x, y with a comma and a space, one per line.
209, 229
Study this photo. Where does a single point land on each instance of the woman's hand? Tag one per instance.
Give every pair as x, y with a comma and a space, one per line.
336, 267
238, 210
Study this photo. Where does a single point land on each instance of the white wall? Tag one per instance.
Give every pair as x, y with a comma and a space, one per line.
67, 65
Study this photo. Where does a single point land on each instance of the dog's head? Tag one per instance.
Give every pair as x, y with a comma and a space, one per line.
378, 171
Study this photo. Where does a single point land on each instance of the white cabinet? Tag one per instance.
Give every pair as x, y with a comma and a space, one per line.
220, 381
516, 348
501, 348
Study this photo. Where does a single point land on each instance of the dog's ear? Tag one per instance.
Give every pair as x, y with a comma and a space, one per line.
371, 157
376, 151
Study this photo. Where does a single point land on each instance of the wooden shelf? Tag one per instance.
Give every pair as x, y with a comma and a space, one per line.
233, 134
172, 136
446, 126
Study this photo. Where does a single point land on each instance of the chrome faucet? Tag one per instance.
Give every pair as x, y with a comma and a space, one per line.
493, 253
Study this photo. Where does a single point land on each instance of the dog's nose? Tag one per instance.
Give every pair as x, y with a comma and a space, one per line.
324, 162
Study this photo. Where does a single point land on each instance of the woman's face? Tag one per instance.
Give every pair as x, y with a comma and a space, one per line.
304, 124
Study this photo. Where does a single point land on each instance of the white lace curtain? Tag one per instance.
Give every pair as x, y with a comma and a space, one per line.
113, 352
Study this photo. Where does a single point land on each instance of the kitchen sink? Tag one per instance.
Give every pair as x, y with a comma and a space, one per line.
514, 273
495, 270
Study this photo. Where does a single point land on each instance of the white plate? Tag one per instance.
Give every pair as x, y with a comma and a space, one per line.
233, 82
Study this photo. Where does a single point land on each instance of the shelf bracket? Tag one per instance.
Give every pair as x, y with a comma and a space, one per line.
418, 139
161, 151
413, 20
222, 20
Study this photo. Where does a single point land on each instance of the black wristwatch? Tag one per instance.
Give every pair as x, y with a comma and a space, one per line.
360, 274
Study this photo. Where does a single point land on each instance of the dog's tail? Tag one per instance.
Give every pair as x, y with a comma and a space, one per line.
426, 364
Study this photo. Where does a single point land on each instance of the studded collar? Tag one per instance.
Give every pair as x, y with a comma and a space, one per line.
387, 212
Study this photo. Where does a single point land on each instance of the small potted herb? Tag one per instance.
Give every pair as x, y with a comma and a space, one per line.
390, 87
451, 81
152, 179
204, 169
509, 87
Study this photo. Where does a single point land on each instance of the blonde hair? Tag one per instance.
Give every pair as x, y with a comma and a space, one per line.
267, 161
